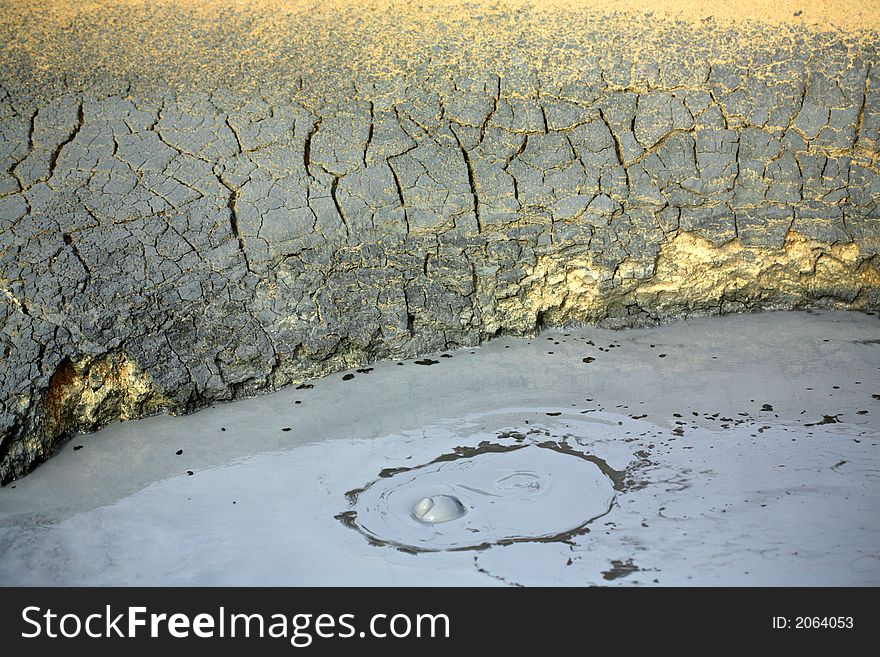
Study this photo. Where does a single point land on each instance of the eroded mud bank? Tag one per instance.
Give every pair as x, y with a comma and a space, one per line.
182, 223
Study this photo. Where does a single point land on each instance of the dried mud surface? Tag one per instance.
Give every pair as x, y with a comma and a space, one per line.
203, 201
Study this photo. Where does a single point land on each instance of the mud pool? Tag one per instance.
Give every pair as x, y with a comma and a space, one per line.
740, 450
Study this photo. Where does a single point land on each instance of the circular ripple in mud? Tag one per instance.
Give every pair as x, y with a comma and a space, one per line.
509, 494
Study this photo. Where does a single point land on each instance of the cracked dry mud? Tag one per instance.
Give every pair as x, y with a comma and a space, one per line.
202, 201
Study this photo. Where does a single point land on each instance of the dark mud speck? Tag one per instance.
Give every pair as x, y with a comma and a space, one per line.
826, 419
620, 569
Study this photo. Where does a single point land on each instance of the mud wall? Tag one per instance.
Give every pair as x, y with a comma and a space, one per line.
250, 214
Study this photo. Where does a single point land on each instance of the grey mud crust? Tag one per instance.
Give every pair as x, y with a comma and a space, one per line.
189, 221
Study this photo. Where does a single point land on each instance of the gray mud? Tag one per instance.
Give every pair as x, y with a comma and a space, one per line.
715, 464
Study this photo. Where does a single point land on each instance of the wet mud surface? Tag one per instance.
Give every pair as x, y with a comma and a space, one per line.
747, 456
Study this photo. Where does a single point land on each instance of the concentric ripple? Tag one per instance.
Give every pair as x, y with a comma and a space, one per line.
508, 494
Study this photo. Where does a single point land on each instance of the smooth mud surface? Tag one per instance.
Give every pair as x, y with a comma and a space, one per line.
740, 450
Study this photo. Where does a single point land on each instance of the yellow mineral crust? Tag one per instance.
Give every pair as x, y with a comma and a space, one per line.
691, 273
89, 392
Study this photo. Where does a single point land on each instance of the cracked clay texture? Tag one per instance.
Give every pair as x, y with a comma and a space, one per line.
202, 201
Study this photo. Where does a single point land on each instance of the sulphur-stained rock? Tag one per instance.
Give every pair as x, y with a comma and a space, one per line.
85, 395
188, 220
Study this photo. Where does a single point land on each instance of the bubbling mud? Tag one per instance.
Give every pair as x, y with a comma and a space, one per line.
494, 494
441, 508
